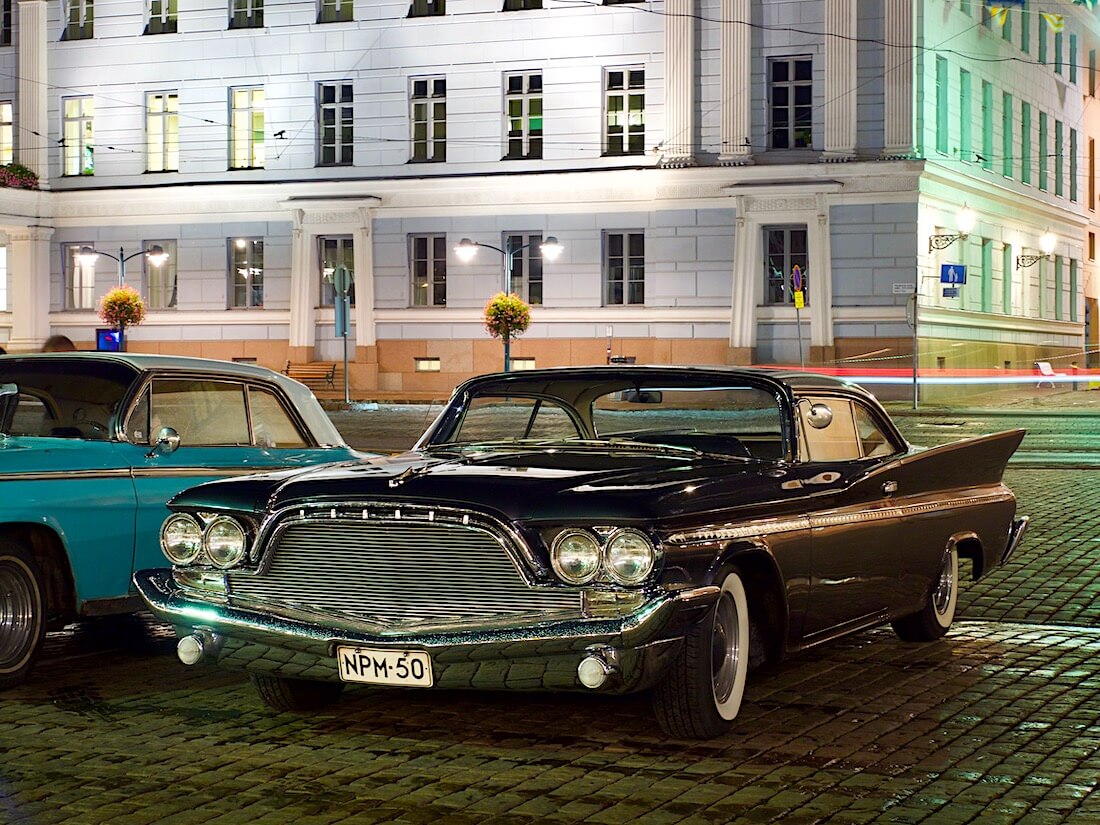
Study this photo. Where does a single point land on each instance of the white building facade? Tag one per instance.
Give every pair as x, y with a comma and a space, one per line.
687, 154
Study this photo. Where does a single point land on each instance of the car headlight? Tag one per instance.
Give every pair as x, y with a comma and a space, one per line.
629, 556
575, 556
181, 538
225, 541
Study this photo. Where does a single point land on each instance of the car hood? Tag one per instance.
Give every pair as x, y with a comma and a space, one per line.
543, 484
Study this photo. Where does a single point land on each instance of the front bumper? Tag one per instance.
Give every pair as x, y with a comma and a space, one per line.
531, 656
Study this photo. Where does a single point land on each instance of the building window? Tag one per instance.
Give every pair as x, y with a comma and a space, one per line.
426, 364
624, 268
162, 17
335, 11
246, 273
790, 102
966, 117
785, 247
943, 107
1059, 158
1059, 292
1042, 28
426, 8
1073, 165
7, 133
526, 267
246, 14
162, 138
1091, 188
1007, 138
246, 128
1043, 151
79, 20
79, 277
523, 115
1073, 289
1025, 143
78, 135
160, 280
987, 275
1058, 36
1006, 28
1025, 33
1007, 268
5, 24
518, 364
338, 250
428, 261
987, 125
429, 119
1073, 58
1092, 73
335, 124
624, 103
522, 5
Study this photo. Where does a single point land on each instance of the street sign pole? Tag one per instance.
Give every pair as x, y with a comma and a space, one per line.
799, 302
341, 280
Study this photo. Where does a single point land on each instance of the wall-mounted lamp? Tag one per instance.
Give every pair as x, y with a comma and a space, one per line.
1046, 243
965, 221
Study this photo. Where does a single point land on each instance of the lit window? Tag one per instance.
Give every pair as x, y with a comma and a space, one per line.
522, 364
79, 277
785, 247
160, 279
246, 129
78, 136
427, 364
7, 133
335, 251
162, 138
246, 272
624, 122
523, 115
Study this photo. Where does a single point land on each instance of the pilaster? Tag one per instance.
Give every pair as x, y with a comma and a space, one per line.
678, 146
32, 105
746, 251
736, 83
821, 271
365, 334
303, 334
899, 69
840, 80
29, 264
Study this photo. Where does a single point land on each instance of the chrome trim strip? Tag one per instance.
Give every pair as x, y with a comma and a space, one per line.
836, 518
1015, 536
81, 475
150, 472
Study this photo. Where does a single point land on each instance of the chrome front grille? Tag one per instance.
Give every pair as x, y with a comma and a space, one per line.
417, 572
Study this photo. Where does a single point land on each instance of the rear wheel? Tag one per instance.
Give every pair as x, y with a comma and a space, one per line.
22, 613
935, 618
295, 694
702, 692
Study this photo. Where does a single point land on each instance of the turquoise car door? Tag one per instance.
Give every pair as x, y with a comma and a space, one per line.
225, 428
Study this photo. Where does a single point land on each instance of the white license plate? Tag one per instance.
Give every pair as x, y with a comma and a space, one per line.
411, 668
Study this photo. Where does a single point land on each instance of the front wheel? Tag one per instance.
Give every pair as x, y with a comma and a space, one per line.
702, 692
281, 693
22, 613
934, 619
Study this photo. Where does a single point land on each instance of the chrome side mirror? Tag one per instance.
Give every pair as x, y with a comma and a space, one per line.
168, 441
819, 416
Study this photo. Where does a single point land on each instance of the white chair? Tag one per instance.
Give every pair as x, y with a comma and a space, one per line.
1047, 373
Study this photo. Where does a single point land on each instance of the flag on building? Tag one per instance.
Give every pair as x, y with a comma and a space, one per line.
998, 14
1055, 22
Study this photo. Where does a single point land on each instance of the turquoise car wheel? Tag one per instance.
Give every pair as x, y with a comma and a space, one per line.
22, 617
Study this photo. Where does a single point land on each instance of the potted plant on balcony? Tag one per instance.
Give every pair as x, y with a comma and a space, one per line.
122, 307
507, 317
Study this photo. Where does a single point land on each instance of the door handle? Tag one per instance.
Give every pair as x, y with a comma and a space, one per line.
889, 488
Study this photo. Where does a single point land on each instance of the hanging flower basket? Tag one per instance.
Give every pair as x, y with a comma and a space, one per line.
507, 316
122, 307
17, 176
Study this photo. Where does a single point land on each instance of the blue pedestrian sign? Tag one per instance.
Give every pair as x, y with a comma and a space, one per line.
952, 273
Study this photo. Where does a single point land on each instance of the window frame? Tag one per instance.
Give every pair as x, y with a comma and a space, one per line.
242, 126
164, 20
335, 11
80, 157
168, 139
526, 143
252, 286
434, 276
527, 265
71, 286
341, 142
795, 141
623, 122
790, 259
246, 14
427, 8
7, 131
344, 247
166, 273
79, 20
631, 290
425, 111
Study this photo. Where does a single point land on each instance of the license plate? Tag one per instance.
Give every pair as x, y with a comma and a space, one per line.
410, 668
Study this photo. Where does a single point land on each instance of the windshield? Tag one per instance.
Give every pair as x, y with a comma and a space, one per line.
741, 421
64, 399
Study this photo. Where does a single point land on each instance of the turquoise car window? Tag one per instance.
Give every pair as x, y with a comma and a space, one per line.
271, 425
63, 398
32, 417
204, 413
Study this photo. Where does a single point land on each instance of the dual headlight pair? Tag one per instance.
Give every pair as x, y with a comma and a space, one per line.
223, 540
626, 556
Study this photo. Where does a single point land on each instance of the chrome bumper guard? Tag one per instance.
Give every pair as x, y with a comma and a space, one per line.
1015, 535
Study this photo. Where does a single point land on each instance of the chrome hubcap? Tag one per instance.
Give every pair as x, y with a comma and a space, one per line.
16, 613
941, 597
725, 650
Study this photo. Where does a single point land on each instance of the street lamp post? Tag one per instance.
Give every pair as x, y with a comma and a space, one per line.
155, 254
467, 249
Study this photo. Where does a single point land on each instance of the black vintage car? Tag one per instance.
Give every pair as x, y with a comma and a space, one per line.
604, 528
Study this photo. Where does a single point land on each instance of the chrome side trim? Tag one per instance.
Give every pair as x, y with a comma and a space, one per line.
1015, 536
69, 475
834, 518
144, 472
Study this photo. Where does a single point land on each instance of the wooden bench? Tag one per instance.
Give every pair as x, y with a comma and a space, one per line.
313, 374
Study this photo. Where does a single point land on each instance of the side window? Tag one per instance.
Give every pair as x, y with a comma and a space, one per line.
271, 425
137, 426
836, 442
204, 413
507, 419
873, 441
551, 421
32, 417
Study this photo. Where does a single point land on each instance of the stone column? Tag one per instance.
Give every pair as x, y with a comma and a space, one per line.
31, 105
746, 253
303, 323
821, 285
735, 83
898, 71
364, 280
678, 146
29, 264
840, 80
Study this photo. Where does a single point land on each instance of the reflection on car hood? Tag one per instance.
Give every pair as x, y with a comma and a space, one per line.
518, 485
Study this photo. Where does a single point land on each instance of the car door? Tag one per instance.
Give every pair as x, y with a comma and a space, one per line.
855, 524
226, 427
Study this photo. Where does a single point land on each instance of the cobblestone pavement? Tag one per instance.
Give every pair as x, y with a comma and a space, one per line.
997, 723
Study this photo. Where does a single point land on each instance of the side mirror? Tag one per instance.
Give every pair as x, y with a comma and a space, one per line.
168, 441
819, 416
9, 400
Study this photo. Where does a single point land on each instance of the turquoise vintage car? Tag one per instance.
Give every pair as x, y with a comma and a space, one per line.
92, 445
